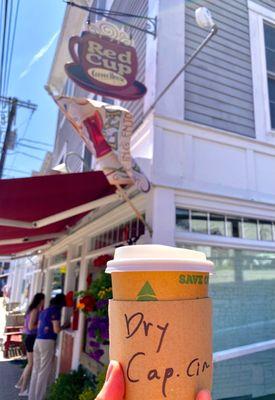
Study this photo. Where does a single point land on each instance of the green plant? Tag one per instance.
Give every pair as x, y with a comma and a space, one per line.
93, 302
70, 386
101, 288
101, 379
87, 394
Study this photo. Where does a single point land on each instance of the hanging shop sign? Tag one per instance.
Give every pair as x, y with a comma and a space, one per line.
105, 62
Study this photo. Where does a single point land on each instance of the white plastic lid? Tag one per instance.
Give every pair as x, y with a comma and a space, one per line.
152, 257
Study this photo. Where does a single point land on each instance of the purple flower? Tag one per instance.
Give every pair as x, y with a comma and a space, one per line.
97, 354
99, 326
100, 304
94, 344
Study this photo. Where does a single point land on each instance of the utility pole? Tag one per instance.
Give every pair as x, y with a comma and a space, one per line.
13, 104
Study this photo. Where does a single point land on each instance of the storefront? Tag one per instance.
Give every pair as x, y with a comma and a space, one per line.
237, 235
77, 260
242, 287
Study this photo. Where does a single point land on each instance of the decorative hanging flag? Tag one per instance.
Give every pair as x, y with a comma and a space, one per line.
106, 131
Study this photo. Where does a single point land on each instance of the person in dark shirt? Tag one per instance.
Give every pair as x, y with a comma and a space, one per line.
44, 349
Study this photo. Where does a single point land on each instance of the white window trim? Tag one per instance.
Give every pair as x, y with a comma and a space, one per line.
222, 241
243, 351
257, 15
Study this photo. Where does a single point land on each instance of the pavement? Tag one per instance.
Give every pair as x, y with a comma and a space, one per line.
10, 370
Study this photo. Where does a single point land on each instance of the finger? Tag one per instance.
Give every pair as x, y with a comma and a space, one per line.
204, 395
113, 388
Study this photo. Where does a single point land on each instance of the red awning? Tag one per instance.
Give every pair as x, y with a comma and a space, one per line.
41, 208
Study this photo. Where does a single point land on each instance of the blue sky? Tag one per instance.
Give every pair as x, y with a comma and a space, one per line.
38, 22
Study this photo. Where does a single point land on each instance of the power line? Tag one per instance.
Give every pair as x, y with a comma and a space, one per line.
12, 113
31, 147
17, 170
27, 155
13, 104
12, 44
35, 141
24, 133
3, 45
8, 176
20, 103
9, 17
9, 23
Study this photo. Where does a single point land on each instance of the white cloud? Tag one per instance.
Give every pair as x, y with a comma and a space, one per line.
39, 54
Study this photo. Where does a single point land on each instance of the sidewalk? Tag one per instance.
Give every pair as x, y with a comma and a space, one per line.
9, 369
9, 375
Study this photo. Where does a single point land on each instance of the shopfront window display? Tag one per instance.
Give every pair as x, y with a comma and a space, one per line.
242, 289
58, 281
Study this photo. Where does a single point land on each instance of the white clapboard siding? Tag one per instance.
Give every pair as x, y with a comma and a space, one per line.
218, 84
135, 7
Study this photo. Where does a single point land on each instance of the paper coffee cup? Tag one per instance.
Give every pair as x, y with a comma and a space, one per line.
163, 347
156, 272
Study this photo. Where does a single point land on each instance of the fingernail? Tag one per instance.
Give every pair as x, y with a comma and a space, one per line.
109, 370
204, 395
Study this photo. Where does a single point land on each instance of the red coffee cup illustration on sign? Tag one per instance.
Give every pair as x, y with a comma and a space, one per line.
105, 62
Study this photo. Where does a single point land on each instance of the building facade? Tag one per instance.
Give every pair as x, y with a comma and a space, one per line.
4, 273
208, 148
25, 278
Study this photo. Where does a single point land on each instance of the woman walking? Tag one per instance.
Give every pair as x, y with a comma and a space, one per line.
30, 330
44, 348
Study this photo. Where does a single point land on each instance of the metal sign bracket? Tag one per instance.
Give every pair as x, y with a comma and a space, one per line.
151, 22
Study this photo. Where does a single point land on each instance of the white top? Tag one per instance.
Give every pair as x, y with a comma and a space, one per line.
152, 257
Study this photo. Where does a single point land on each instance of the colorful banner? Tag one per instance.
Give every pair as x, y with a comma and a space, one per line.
106, 131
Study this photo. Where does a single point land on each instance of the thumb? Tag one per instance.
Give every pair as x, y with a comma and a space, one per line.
204, 395
113, 388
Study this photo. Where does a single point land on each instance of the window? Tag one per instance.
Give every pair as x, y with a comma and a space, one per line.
242, 290
265, 230
108, 100
101, 4
242, 277
69, 88
234, 227
58, 282
183, 219
199, 222
269, 32
250, 229
262, 42
130, 231
78, 251
224, 225
6, 265
87, 157
217, 224
59, 258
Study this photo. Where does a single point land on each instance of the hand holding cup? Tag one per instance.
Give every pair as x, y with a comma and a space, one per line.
113, 388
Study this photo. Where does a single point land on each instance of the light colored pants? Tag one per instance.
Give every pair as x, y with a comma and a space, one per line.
43, 361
